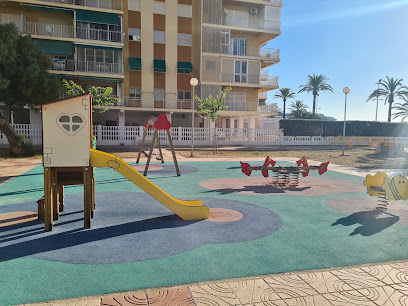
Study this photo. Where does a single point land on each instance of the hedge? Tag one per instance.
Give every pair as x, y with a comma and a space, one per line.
302, 127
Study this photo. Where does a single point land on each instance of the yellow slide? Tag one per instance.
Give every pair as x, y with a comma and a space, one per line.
187, 210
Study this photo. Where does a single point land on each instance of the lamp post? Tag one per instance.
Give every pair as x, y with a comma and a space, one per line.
193, 83
346, 90
376, 110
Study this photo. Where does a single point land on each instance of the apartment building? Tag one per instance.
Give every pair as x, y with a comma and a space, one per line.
148, 51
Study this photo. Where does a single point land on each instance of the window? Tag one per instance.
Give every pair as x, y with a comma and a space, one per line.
225, 42
135, 93
184, 39
135, 34
183, 95
240, 75
185, 10
159, 37
239, 46
211, 65
98, 31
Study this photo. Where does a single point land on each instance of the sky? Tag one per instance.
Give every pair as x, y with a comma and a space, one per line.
353, 42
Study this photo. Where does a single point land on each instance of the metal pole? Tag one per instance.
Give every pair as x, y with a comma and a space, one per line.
376, 110
192, 124
344, 125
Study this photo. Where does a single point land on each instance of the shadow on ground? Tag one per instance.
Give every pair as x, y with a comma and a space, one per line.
371, 222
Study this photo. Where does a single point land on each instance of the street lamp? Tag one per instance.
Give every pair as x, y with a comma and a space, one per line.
376, 110
346, 90
193, 83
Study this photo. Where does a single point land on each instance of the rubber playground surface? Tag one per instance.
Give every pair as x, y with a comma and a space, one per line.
135, 242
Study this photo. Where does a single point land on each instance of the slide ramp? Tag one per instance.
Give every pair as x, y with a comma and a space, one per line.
187, 210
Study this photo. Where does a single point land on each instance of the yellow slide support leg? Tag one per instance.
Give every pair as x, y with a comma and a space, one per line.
187, 210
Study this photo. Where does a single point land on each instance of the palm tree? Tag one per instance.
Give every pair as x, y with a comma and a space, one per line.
402, 108
315, 83
298, 109
285, 93
391, 89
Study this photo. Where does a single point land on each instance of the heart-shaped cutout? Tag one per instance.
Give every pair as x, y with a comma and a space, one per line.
70, 123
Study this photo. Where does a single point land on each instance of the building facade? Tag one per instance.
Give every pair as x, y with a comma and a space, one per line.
148, 51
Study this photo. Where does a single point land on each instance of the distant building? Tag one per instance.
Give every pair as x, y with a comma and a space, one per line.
327, 117
148, 51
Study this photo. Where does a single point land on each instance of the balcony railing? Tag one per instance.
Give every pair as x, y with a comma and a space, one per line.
251, 23
86, 66
269, 108
57, 30
106, 4
241, 106
252, 51
171, 103
243, 79
263, 95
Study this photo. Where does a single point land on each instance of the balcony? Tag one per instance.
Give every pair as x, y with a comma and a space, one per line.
56, 30
241, 79
251, 23
265, 54
86, 66
168, 103
241, 106
104, 4
269, 108
263, 95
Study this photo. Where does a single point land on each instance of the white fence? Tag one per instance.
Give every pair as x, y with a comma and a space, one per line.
132, 135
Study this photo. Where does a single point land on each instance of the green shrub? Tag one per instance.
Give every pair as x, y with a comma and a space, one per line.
299, 127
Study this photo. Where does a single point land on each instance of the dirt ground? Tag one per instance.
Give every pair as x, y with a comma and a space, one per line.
363, 158
358, 157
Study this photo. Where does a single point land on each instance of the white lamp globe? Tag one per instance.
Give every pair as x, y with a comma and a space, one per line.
193, 82
346, 90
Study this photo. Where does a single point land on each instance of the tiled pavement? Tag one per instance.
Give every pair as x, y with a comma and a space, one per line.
377, 284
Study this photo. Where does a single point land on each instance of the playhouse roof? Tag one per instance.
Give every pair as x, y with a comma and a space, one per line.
63, 100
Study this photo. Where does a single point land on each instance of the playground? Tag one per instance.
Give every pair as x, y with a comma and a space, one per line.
124, 231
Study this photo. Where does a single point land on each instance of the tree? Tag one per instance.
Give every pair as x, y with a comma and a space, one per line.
402, 109
211, 107
298, 109
24, 79
315, 83
391, 89
101, 96
285, 93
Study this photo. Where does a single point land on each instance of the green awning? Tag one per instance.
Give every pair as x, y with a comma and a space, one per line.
47, 8
159, 65
135, 63
99, 47
62, 76
99, 79
184, 67
55, 47
97, 17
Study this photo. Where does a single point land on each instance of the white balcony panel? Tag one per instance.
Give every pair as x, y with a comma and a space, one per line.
134, 5
184, 39
185, 10
159, 37
106, 4
159, 7
86, 66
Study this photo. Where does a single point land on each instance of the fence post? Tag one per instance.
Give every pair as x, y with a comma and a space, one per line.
179, 135
250, 139
99, 134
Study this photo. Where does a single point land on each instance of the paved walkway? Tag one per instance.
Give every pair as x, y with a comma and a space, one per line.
376, 284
